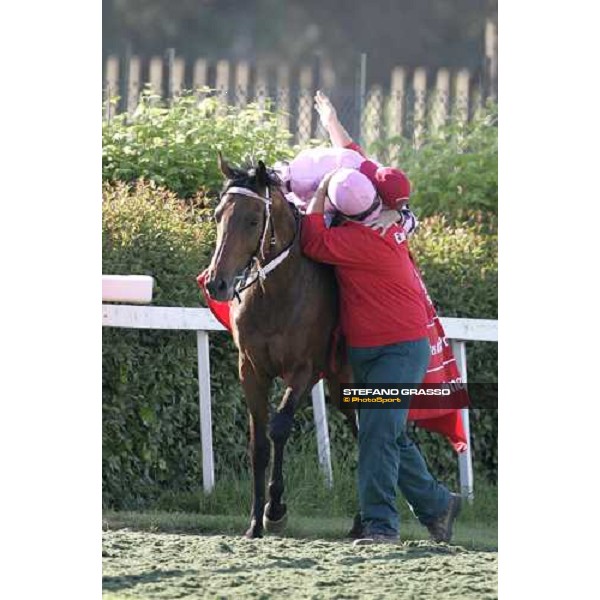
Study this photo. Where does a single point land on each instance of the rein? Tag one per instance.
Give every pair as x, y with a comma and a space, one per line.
262, 272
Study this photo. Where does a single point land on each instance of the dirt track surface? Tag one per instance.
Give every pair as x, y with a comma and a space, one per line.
166, 565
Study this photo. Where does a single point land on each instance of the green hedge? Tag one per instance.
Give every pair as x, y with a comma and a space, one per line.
150, 396
150, 403
177, 147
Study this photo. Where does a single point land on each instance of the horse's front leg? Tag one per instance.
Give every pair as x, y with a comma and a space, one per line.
256, 389
280, 428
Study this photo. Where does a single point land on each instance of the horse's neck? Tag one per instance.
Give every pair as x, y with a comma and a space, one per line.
285, 228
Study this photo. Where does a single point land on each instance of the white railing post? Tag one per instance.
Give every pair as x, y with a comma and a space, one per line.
465, 461
322, 431
208, 468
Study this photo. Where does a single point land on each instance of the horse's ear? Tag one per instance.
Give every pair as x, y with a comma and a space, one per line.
224, 166
262, 179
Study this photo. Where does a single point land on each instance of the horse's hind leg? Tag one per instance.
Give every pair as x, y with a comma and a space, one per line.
280, 427
256, 391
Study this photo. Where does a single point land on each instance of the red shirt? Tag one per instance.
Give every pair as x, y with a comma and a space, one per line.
381, 299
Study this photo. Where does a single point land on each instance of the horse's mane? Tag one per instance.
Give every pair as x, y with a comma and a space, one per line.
245, 176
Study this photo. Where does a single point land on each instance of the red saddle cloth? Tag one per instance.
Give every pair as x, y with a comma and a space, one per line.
445, 418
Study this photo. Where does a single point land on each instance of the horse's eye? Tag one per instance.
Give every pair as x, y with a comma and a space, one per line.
253, 222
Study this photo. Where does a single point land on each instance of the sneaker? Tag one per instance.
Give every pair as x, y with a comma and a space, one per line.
441, 528
376, 538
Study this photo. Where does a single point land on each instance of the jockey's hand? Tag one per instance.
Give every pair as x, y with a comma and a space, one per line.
325, 181
317, 204
385, 220
326, 110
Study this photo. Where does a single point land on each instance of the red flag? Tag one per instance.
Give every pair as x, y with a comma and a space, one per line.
442, 369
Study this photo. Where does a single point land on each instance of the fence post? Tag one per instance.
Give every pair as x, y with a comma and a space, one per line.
283, 96
361, 92
491, 60
440, 100
222, 83
170, 60
371, 121
322, 431
461, 101
112, 85
305, 105
156, 76
178, 76
396, 101
134, 80
465, 462
319, 132
208, 469
420, 103
200, 77
106, 114
261, 85
124, 80
242, 78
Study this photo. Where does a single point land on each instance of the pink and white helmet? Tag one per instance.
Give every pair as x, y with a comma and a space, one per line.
310, 166
353, 194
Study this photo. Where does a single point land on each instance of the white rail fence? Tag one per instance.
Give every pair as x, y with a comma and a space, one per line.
201, 321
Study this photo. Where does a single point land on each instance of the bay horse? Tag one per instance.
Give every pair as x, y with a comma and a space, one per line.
283, 321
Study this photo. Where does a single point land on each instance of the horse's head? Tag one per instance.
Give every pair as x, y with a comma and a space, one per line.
241, 227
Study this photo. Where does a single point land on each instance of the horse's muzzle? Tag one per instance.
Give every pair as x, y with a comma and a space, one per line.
219, 289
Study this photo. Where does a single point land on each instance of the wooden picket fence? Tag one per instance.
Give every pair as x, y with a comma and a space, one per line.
412, 99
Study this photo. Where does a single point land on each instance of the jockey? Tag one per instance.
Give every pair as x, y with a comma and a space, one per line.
393, 186
303, 174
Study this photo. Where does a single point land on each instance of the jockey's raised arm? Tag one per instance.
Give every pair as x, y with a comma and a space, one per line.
328, 115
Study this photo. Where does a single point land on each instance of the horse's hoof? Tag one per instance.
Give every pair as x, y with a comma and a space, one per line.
254, 532
276, 522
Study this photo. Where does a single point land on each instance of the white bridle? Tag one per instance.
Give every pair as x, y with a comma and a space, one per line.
266, 201
262, 272
246, 192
